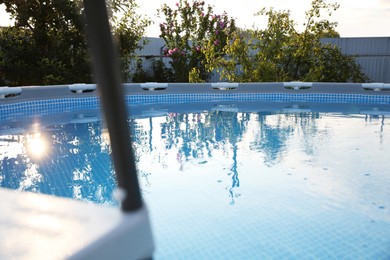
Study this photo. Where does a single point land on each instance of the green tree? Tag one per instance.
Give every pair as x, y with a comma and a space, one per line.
281, 53
128, 27
188, 29
47, 44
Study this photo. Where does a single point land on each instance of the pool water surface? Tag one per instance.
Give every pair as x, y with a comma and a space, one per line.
225, 183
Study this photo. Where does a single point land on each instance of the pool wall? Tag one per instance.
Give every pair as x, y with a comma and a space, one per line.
47, 100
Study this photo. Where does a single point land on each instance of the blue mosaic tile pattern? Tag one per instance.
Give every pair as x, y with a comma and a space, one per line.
43, 107
270, 97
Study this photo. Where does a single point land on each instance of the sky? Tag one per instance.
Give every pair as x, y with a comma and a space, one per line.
356, 18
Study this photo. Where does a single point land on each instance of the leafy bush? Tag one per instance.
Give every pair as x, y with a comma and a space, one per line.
47, 45
161, 73
281, 53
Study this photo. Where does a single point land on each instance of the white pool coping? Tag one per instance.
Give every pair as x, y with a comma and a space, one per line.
37, 226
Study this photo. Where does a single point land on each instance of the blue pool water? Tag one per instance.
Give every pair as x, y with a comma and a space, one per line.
226, 180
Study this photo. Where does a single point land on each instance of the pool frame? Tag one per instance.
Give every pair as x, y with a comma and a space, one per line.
80, 103
43, 100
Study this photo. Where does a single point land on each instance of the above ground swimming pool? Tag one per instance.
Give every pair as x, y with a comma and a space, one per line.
257, 171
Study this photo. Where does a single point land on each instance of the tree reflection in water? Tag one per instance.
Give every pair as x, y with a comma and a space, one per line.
198, 136
77, 163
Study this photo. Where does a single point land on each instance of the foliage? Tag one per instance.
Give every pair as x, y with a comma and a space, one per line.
188, 29
47, 45
194, 76
160, 73
140, 74
128, 27
281, 53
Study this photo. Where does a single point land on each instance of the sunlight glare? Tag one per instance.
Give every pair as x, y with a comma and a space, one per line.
37, 145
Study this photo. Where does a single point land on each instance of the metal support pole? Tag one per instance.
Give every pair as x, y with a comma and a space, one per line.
106, 72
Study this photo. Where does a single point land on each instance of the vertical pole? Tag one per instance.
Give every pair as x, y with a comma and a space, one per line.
106, 73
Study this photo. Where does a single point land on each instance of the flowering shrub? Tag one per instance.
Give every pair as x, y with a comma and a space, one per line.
189, 28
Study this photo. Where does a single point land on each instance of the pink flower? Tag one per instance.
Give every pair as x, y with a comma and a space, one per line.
216, 42
170, 52
197, 48
177, 4
216, 32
